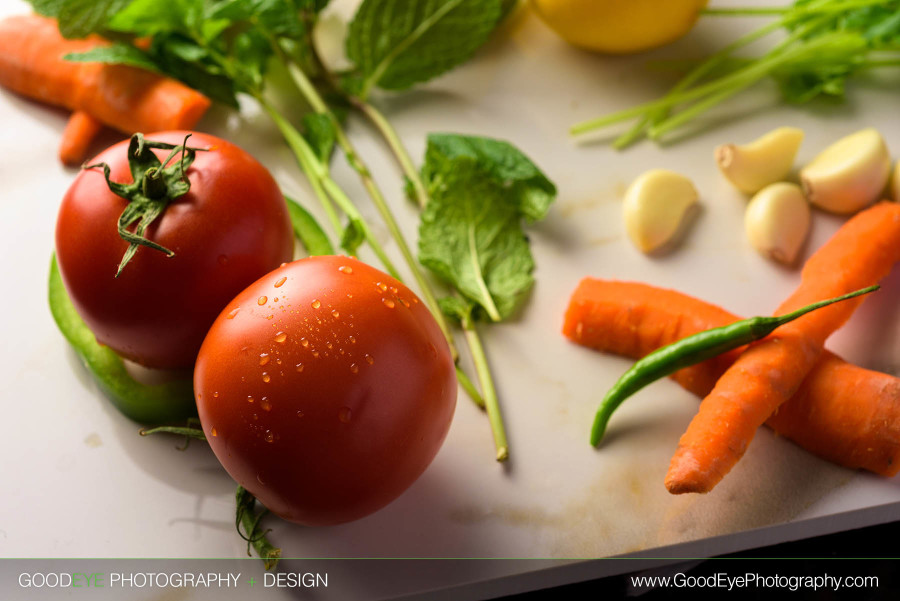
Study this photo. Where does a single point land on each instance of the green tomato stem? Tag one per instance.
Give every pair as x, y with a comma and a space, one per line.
248, 518
488, 390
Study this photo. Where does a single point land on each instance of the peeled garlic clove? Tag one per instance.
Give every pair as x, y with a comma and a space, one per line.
777, 221
848, 175
655, 206
768, 159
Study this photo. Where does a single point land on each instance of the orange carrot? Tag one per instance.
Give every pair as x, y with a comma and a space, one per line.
841, 412
77, 137
125, 98
769, 372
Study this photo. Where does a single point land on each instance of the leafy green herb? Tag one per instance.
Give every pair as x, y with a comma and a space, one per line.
118, 54
481, 193
398, 43
827, 43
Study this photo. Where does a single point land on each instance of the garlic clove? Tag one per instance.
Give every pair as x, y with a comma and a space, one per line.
850, 174
655, 208
766, 160
777, 221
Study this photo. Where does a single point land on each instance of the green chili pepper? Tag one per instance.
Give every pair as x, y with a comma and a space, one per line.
692, 350
157, 404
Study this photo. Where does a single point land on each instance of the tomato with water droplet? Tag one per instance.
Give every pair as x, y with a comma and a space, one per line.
373, 417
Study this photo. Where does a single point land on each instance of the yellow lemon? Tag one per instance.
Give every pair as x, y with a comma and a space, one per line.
619, 26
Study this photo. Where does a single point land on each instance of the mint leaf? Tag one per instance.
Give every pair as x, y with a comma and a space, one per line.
320, 134
502, 161
150, 17
354, 235
80, 18
117, 54
47, 8
398, 43
471, 236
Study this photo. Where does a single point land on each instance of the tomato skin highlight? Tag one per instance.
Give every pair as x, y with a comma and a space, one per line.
329, 402
227, 231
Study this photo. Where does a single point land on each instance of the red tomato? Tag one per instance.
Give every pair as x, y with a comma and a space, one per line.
228, 230
325, 389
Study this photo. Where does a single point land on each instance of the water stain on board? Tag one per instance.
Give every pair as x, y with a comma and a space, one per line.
626, 508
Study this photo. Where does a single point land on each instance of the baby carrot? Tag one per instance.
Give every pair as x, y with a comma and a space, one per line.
125, 98
843, 413
769, 372
77, 137
695, 349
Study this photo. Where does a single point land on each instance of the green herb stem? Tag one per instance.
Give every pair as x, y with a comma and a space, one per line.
307, 161
469, 387
387, 131
792, 10
318, 104
695, 349
488, 390
325, 187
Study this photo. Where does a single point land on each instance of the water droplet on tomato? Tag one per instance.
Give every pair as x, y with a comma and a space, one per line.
345, 269
380, 286
255, 416
249, 398
299, 414
370, 359
262, 300
335, 313
299, 367
315, 354
344, 415
394, 290
265, 404
404, 302
213, 432
215, 395
304, 342
260, 480
233, 313
352, 339
354, 368
263, 358
280, 337
329, 345
275, 300
316, 304
281, 282
265, 377
270, 437
388, 303
222, 260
